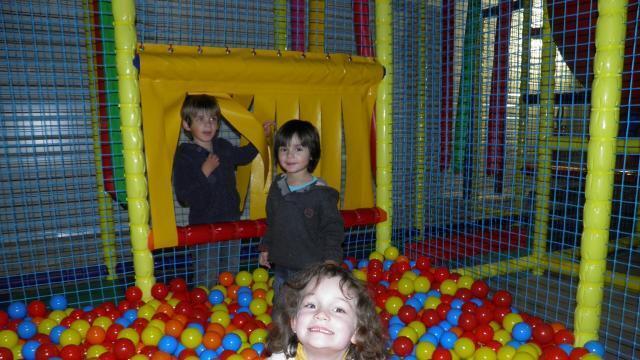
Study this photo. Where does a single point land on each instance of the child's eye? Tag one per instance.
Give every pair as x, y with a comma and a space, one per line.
340, 310
309, 306
299, 149
282, 149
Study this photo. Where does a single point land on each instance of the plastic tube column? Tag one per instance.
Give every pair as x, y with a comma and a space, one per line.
384, 150
107, 228
545, 127
420, 127
132, 145
523, 107
601, 158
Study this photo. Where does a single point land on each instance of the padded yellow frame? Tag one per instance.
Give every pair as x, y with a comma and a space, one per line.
335, 92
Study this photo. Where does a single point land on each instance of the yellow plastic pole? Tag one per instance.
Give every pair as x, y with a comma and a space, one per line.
280, 24
545, 128
601, 159
418, 223
523, 107
384, 121
124, 13
107, 227
316, 26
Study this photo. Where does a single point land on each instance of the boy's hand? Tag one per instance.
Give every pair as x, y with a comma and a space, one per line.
264, 259
211, 163
268, 127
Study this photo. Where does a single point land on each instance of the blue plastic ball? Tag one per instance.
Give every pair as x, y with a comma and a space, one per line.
168, 344
448, 339
395, 320
17, 310
445, 325
58, 302
122, 321
595, 347
514, 344
521, 332
427, 337
55, 333
433, 293
386, 265
179, 349
27, 329
453, 316
244, 309
457, 304
244, 298
363, 263
200, 349
29, 349
231, 342
436, 331
258, 347
216, 297
421, 297
131, 315
196, 326
566, 348
208, 354
414, 303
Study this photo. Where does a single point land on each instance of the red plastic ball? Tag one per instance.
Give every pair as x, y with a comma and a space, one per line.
183, 307
178, 285
430, 318
112, 332
502, 298
484, 333
374, 264
46, 351
402, 346
423, 263
441, 274
441, 354
563, 336
125, 305
133, 294
480, 289
553, 353
72, 352
467, 321
198, 296
4, 318
407, 313
484, 315
374, 276
159, 291
241, 319
442, 310
107, 356
37, 308
542, 334
469, 307
463, 294
500, 312
186, 353
148, 350
494, 344
578, 353
124, 348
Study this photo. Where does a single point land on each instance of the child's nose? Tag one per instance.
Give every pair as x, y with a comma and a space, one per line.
321, 315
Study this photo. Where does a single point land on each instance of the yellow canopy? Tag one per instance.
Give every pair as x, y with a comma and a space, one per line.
335, 92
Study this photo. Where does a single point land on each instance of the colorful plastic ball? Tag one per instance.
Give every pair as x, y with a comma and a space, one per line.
55, 333
359, 274
129, 333
595, 347
37, 308
421, 284
58, 302
405, 286
376, 255
258, 336
27, 329
485, 353
208, 354
521, 332
260, 275
168, 344
70, 337
393, 305
410, 333
394, 330
47, 351
191, 338
563, 336
448, 287
424, 350
591, 356
133, 294
442, 354
244, 298
407, 313
231, 341
464, 347
72, 352
124, 349
216, 297
402, 346
448, 340
506, 353
159, 291
258, 306
17, 310
391, 253
453, 316
502, 298
243, 278
29, 349
510, 320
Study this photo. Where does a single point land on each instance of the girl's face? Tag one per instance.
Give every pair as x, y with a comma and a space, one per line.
294, 158
203, 128
326, 321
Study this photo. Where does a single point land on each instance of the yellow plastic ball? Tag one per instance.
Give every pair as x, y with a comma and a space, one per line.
405, 286
502, 336
260, 285
465, 282
102, 321
235, 357
95, 351
151, 335
409, 275
146, 311
510, 320
258, 336
359, 274
270, 297
8, 339
410, 333
143, 357
419, 327
220, 317
265, 318
506, 353
172, 302
258, 306
464, 347
81, 326
220, 307
421, 284
523, 356
243, 335
432, 302
448, 287
530, 348
485, 353
424, 350
376, 255
494, 325
191, 338
591, 356
393, 304
129, 333
70, 337
260, 275
157, 323
391, 253
220, 287
243, 278
46, 325
57, 315
154, 303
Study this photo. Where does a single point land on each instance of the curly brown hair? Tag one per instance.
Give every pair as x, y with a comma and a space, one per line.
370, 338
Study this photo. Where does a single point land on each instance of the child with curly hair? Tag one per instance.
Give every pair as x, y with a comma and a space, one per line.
325, 313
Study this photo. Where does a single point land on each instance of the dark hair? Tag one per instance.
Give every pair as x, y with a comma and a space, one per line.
308, 135
370, 338
194, 104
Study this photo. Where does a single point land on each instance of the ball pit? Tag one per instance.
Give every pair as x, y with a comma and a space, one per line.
429, 313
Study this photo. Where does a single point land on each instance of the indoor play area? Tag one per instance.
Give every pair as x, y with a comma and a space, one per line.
486, 153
